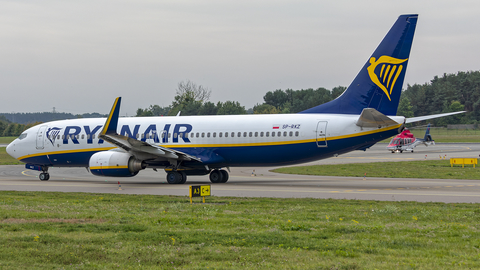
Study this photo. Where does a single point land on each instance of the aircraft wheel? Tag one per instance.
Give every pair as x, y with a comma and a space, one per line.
174, 177
44, 176
224, 176
184, 177
216, 176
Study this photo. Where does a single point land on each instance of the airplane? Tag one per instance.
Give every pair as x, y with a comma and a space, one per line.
199, 145
405, 141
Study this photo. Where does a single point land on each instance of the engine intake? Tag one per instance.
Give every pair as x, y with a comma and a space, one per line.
116, 164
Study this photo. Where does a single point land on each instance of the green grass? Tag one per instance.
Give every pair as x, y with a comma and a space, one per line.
78, 230
6, 159
437, 169
6, 140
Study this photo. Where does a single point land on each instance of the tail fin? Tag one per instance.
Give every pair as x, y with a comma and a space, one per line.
428, 137
379, 84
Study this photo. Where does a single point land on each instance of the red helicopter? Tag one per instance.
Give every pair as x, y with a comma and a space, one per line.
405, 141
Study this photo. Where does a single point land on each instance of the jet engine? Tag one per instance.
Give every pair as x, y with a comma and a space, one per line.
113, 163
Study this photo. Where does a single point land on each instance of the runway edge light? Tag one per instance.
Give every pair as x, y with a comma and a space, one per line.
199, 191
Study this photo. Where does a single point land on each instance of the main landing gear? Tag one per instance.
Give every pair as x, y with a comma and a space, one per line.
175, 177
180, 177
218, 176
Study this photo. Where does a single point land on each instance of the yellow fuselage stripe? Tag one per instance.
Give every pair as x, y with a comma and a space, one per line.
224, 145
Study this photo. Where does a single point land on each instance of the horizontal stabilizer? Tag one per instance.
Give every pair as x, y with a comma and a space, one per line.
373, 118
426, 117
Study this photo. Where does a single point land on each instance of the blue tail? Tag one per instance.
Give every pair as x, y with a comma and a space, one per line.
428, 137
379, 84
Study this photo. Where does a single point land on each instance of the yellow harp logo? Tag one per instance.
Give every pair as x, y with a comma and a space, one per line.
388, 73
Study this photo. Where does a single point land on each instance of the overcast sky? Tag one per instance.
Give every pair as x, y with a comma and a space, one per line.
77, 56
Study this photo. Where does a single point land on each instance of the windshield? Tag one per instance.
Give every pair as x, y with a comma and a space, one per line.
22, 136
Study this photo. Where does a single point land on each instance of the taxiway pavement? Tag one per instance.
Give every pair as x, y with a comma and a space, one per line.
261, 182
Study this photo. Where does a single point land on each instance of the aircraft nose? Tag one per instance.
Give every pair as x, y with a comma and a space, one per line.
11, 149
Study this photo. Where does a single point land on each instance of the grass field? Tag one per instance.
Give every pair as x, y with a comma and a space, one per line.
78, 230
437, 169
6, 159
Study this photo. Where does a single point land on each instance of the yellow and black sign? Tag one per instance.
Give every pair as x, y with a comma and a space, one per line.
199, 191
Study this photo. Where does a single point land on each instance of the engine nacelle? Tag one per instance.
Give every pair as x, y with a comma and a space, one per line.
117, 164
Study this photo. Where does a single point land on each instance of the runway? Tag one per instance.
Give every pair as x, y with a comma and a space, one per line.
260, 182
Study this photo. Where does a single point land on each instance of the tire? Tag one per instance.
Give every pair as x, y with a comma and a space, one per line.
184, 177
44, 176
174, 177
224, 176
216, 176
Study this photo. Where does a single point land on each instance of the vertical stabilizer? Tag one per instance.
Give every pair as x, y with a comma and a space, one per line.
428, 137
378, 85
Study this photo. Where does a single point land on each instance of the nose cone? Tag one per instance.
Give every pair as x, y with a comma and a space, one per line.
11, 149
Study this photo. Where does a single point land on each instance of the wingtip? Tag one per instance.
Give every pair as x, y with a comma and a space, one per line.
110, 126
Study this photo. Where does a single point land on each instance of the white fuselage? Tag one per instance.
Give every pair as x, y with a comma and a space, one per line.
230, 140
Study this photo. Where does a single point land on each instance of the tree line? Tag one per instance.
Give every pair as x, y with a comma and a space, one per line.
28, 118
8, 128
192, 99
450, 93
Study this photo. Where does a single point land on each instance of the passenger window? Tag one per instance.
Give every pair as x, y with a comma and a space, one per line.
256, 134
180, 135
291, 133
273, 134
244, 134
250, 134
296, 133
186, 135
226, 134
214, 134
284, 134
169, 135
83, 136
208, 134
261, 134
203, 134
198, 134
58, 137
233, 134
93, 136
220, 134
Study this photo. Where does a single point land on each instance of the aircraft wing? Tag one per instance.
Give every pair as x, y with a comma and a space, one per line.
426, 117
140, 149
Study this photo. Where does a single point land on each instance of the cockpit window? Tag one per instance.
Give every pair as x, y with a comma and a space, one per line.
22, 136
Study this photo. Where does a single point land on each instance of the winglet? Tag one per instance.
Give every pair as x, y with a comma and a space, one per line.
110, 126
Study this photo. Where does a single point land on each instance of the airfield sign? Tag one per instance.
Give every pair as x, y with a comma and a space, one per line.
200, 191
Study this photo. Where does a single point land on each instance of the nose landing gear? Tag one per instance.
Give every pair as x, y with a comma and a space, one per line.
44, 176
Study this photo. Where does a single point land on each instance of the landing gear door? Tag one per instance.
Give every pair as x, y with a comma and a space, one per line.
322, 134
41, 137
